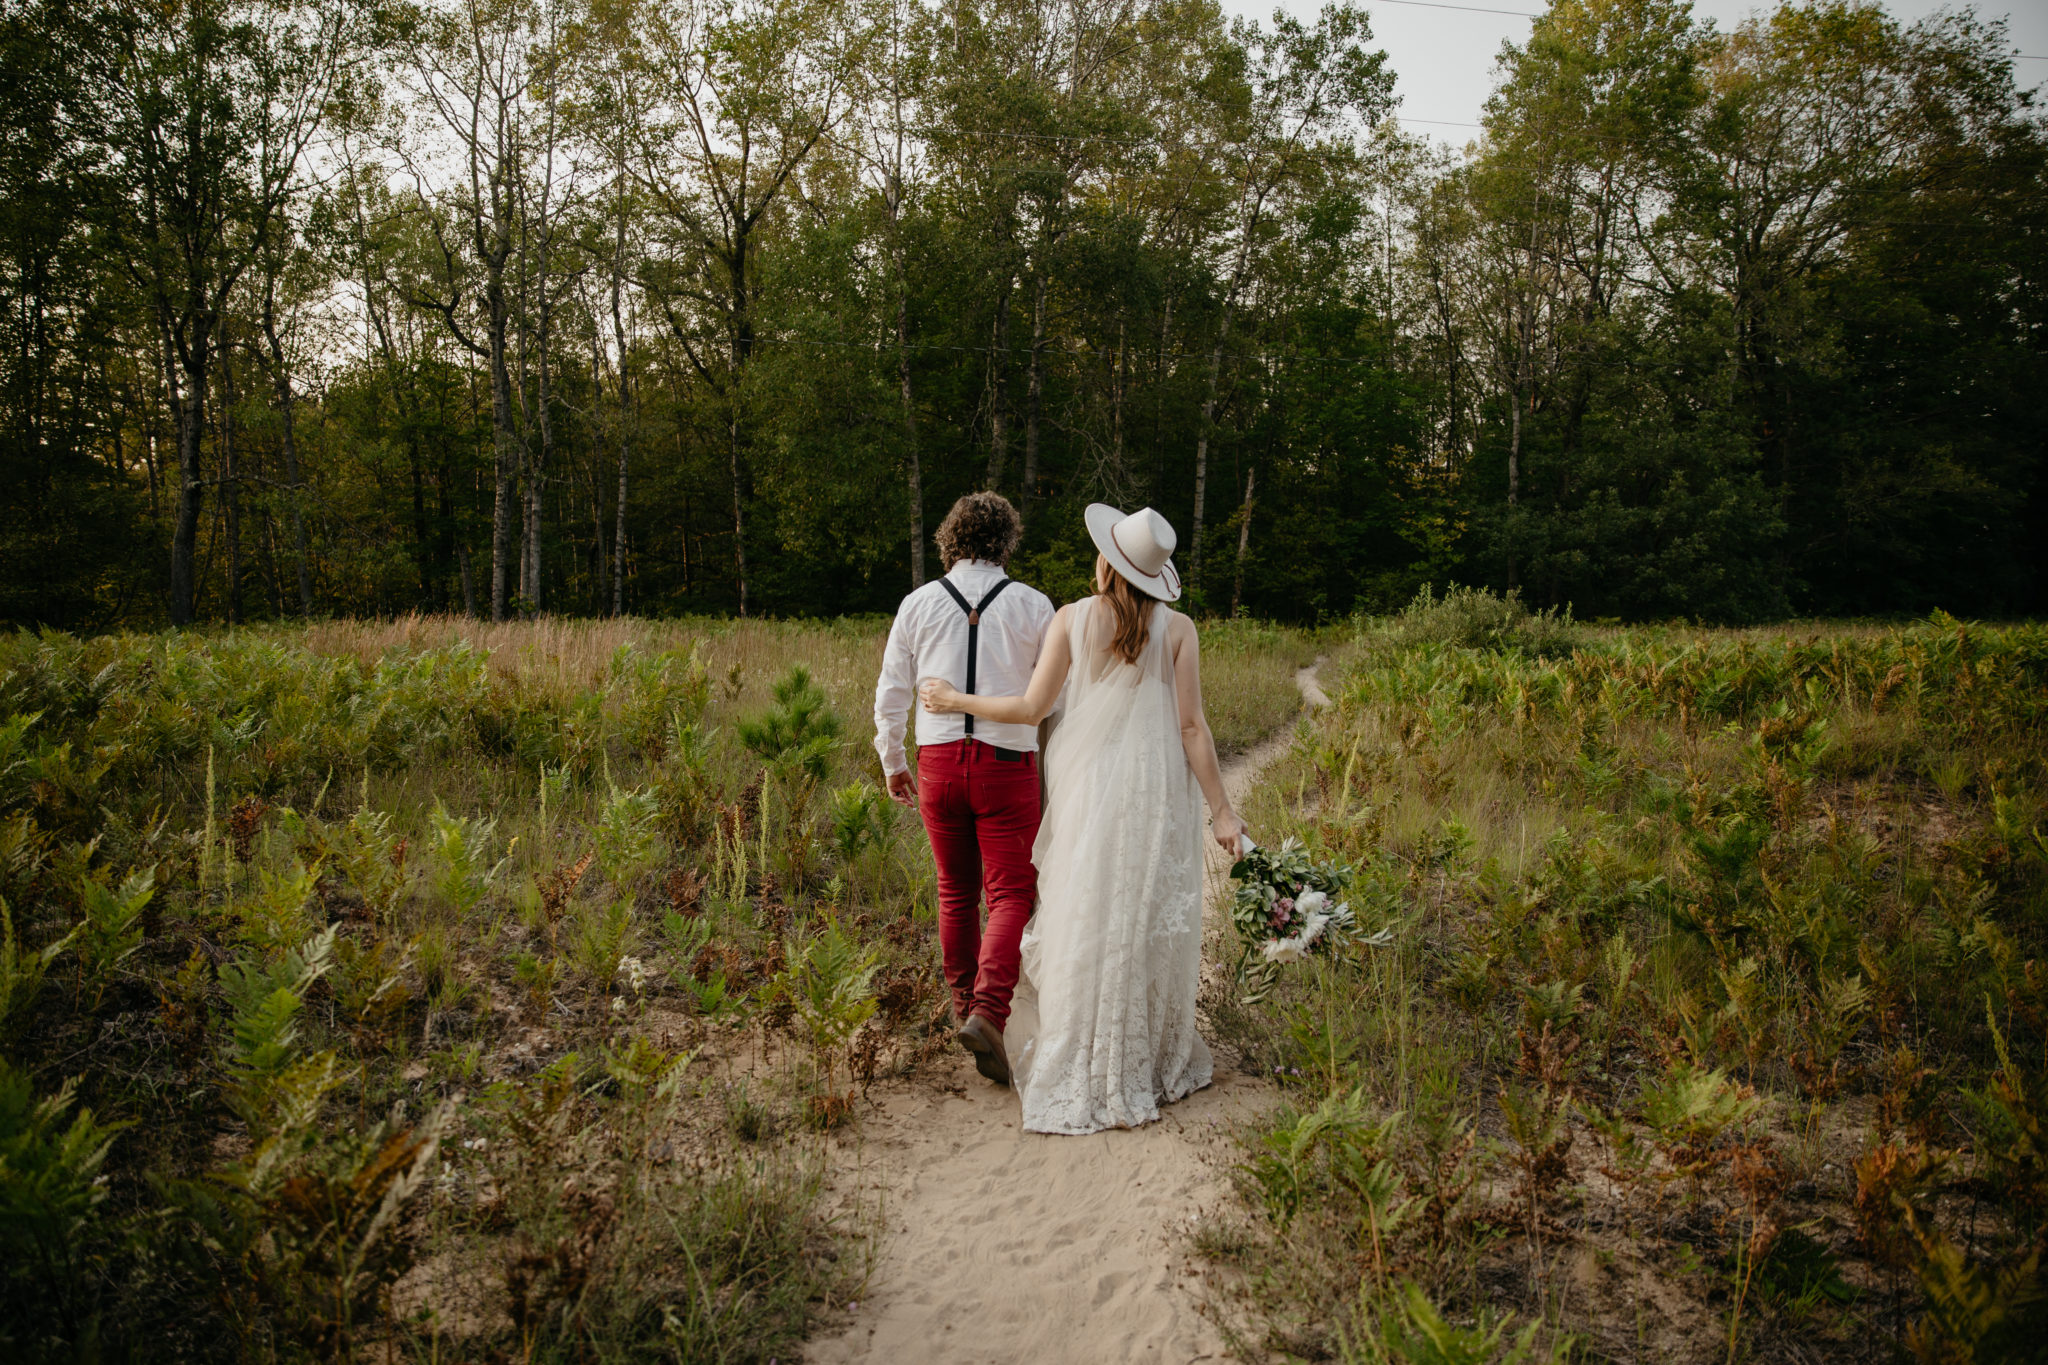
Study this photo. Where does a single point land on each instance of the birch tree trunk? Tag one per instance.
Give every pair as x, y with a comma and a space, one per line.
625, 387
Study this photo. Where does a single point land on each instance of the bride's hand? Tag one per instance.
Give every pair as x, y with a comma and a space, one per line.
939, 696
1226, 829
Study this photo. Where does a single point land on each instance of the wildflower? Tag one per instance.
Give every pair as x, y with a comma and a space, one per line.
635, 972
618, 1004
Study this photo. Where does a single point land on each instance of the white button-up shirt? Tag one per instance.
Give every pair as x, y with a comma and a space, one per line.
929, 640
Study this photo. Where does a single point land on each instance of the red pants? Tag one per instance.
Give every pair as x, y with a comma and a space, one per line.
982, 815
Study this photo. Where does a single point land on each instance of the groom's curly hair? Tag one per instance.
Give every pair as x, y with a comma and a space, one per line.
980, 526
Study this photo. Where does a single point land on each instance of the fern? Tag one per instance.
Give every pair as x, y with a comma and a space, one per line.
274, 915
1412, 1330
625, 836
862, 818
112, 930
464, 874
22, 970
830, 982
268, 1082
603, 937
50, 1192
1690, 1108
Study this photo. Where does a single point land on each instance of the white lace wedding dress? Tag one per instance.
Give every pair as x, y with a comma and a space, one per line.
1114, 953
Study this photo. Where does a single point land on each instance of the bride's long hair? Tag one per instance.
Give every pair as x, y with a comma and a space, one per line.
1129, 609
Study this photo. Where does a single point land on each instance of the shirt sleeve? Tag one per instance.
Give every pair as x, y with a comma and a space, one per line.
894, 692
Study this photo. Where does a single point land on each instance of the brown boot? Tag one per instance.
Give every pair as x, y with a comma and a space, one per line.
985, 1041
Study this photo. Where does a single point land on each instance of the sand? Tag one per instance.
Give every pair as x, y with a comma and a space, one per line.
998, 1246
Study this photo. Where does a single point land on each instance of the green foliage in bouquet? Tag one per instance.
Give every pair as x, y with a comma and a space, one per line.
1287, 908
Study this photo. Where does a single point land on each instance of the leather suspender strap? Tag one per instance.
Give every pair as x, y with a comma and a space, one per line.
973, 630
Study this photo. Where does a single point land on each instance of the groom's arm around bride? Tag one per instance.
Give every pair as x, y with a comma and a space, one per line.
976, 782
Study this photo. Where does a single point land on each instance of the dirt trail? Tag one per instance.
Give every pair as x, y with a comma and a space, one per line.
1000, 1246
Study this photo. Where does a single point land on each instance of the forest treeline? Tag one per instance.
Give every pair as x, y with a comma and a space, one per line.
658, 306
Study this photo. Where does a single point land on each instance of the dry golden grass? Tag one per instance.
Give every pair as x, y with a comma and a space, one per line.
1248, 668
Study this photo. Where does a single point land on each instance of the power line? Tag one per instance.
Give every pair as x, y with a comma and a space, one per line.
1469, 9
1525, 14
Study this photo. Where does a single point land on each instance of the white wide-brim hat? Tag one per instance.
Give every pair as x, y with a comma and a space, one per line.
1138, 546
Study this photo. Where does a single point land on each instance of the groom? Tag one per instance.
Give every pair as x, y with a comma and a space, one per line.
977, 781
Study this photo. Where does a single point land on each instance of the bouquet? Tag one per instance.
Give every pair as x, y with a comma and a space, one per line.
1287, 904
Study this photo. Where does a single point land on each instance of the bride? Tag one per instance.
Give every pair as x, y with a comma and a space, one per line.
1115, 949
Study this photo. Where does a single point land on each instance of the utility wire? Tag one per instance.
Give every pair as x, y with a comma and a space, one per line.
1468, 9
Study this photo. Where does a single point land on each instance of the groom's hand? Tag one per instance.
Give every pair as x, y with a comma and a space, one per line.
903, 789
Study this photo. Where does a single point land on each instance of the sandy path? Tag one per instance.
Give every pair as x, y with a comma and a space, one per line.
999, 1246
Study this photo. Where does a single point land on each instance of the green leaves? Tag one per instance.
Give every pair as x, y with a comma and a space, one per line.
50, 1192
1414, 1331
1338, 1142
863, 817
625, 835
274, 915
799, 735
269, 1082
1691, 1106
112, 930
829, 979
22, 970
463, 871
605, 935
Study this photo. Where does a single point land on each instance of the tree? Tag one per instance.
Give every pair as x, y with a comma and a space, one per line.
214, 104
1307, 84
745, 92
73, 511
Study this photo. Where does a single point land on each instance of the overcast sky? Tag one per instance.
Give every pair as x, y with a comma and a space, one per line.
1444, 57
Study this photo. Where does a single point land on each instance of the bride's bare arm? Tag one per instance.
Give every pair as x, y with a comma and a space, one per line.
1195, 737
1047, 677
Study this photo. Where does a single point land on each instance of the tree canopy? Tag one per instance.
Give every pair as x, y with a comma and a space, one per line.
660, 306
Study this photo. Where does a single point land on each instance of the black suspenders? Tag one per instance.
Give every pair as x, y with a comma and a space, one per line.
973, 630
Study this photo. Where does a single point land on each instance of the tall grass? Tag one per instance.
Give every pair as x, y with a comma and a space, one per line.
1714, 1028
460, 991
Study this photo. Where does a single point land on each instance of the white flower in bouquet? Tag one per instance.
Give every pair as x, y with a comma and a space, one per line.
1286, 949
1311, 903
